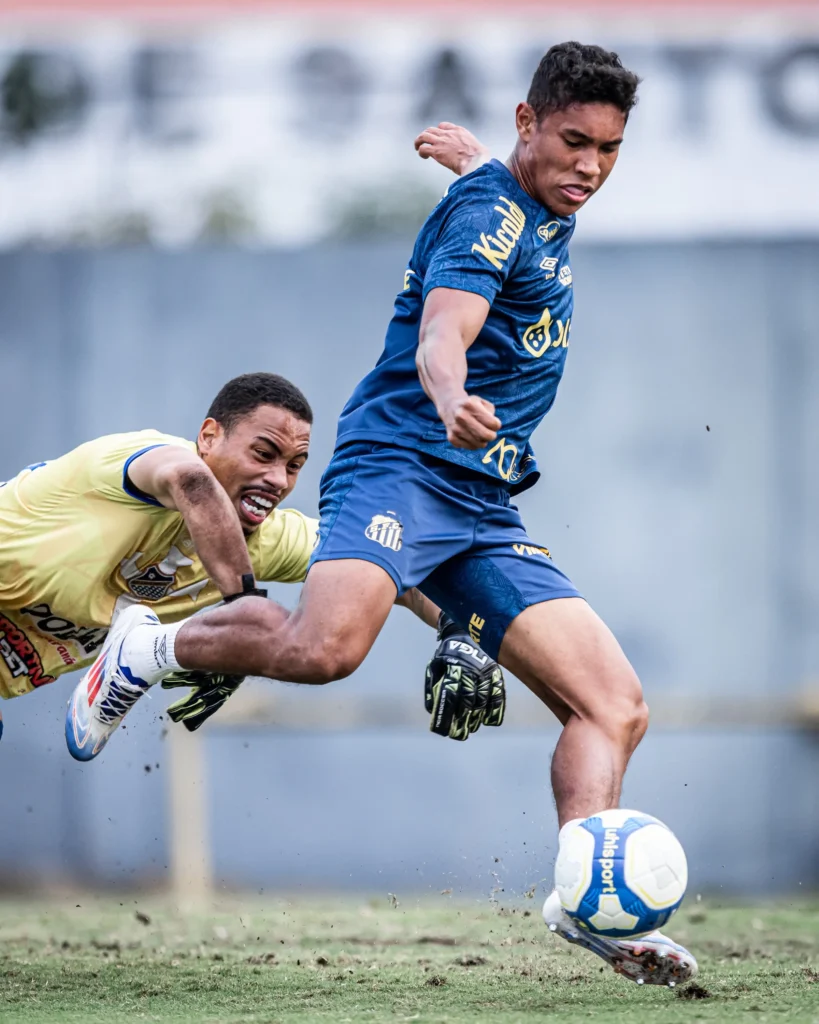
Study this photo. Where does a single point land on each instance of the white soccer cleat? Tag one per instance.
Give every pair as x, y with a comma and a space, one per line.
651, 959
107, 691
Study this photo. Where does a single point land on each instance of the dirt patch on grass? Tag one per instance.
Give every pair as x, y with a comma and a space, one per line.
693, 992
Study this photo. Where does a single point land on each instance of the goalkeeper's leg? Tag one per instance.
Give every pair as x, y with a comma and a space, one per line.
343, 606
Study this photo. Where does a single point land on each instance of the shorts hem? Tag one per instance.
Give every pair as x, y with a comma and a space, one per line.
543, 596
374, 558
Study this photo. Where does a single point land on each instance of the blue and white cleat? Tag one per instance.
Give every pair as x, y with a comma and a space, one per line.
651, 959
107, 691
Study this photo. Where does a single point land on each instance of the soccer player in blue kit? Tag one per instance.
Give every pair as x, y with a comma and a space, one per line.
433, 446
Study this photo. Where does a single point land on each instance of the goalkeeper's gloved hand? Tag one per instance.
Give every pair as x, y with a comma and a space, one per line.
209, 692
463, 687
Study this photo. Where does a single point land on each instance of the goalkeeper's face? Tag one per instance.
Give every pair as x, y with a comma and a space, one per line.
257, 460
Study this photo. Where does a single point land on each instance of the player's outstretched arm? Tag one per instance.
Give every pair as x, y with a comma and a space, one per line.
452, 146
449, 325
178, 479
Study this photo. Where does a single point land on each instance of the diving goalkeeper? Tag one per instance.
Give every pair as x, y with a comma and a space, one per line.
148, 518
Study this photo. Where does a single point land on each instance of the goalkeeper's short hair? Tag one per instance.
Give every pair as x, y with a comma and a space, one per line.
244, 394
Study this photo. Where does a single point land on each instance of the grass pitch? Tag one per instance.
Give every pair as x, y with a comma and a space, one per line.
113, 960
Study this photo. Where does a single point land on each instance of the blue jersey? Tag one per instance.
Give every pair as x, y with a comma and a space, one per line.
489, 237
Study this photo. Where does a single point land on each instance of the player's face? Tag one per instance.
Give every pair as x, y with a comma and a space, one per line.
567, 155
257, 461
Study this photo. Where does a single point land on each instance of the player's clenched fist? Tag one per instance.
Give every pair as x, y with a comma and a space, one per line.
471, 422
452, 146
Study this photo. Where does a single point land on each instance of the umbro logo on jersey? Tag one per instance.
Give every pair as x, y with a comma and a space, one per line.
386, 531
548, 231
549, 264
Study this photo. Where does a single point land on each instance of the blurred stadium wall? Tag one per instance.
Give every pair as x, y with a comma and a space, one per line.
189, 193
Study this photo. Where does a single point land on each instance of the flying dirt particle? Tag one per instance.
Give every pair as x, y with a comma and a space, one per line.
142, 918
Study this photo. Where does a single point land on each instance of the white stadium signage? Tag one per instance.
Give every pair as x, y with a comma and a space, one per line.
288, 129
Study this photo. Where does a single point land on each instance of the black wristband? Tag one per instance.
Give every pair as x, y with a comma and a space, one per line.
249, 589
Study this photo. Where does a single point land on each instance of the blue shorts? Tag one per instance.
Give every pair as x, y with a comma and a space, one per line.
434, 525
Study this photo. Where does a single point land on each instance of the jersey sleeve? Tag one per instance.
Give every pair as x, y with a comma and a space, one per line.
478, 243
110, 457
285, 542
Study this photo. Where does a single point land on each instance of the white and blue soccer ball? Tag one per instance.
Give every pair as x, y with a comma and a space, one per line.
620, 873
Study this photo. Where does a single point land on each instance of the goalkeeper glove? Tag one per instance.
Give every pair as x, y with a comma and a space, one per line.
463, 687
209, 692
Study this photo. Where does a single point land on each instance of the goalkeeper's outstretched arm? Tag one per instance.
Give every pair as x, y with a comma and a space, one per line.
178, 479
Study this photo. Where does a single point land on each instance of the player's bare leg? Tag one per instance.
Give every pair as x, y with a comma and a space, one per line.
567, 656
344, 603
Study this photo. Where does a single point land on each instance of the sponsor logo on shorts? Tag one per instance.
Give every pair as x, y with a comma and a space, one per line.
55, 628
497, 248
548, 231
565, 275
386, 530
476, 624
20, 655
531, 549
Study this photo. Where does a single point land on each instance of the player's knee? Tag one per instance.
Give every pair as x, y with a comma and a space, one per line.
639, 722
331, 665
329, 662
621, 710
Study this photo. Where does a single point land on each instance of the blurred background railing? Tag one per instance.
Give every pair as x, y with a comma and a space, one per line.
190, 193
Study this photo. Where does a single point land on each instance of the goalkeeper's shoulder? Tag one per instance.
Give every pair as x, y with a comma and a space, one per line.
280, 549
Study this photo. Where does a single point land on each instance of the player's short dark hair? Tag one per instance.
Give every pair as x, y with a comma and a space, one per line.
246, 393
574, 73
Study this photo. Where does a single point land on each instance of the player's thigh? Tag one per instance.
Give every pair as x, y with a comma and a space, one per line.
387, 516
522, 610
343, 605
563, 651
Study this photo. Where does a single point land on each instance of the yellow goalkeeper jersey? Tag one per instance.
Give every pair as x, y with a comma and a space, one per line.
77, 541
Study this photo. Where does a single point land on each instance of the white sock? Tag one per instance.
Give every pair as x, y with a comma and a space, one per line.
148, 651
567, 828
